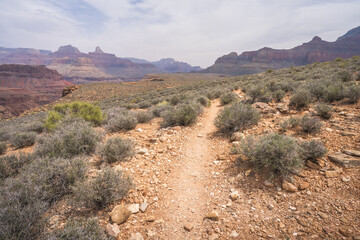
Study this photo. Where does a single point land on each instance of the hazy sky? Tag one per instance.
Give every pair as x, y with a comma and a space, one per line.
195, 31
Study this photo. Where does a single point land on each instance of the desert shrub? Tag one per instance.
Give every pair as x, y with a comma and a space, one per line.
323, 110
72, 137
144, 116
237, 117
81, 229
259, 94
334, 92
278, 95
204, 101
107, 187
10, 165
317, 88
312, 150
353, 94
20, 220
144, 104
344, 76
86, 111
36, 126
228, 98
182, 115
23, 139
159, 109
290, 123
5, 134
174, 100
214, 94
117, 149
274, 152
310, 124
121, 119
301, 98
3, 147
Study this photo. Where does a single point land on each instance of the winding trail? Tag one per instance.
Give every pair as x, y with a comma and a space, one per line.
186, 204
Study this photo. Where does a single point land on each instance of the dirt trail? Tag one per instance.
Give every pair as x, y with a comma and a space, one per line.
187, 201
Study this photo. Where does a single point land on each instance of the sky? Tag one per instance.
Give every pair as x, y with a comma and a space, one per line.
193, 31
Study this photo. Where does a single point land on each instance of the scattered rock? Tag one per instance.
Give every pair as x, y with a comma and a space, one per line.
345, 179
269, 183
139, 130
234, 234
134, 208
112, 229
344, 160
289, 186
331, 174
303, 185
234, 195
345, 232
213, 216
150, 218
144, 206
270, 207
120, 214
188, 227
356, 237
323, 215
347, 134
351, 152
312, 165
136, 236
154, 140
263, 107
237, 136
143, 151
283, 108
328, 129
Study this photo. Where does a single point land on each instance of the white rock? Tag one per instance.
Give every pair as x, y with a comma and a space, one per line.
234, 234
139, 130
134, 208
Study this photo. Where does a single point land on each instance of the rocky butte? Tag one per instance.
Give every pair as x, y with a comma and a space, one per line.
317, 50
23, 87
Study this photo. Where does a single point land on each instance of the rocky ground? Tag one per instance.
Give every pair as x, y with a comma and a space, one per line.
189, 186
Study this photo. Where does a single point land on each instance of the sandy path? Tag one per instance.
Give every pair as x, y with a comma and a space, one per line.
187, 202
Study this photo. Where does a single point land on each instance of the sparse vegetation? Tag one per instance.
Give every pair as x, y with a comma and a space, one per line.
72, 137
310, 124
301, 98
182, 115
81, 229
10, 165
144, 116
237, 117
120, 119
312, 150
228, 98
275, 153
353, 94
117, 149
3, 147
23, 139
107, 187
323, 110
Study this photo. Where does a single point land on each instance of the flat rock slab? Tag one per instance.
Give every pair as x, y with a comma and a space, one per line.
345, 160
351, 152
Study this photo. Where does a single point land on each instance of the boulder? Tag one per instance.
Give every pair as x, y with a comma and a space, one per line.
120, 214
344, 160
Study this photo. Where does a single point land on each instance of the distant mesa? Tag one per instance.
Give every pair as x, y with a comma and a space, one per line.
317, 50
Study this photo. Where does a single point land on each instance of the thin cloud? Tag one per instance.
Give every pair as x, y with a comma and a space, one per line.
193, 31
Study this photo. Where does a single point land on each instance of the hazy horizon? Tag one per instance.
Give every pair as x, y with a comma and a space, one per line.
196, 32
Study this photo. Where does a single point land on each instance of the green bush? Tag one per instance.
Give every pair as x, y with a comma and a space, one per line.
214, 94
3, 147
10, 165
144, 116
182, 115
120, 119
117, 149
276, 153
86, 111
278, 95
237, 117
310, 124
344, 76
228, 98
24, 139
204, 101
72, 137
107, 187
324, 110
159, 109
82, 229
312, 150
334, 92
259, 93
301, 98
353, 94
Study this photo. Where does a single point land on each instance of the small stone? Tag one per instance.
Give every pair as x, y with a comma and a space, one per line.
139, 130
345, 232
200, 136
328, 129
214, 237
213, 216
289, 186
234, 234
134, 208
143, 151
351, 152
221, 157
120, 214
112, 229
356, 237
136, 236
163, 139
268, 183
150, 218
312, 165
154, 140
234, 195
331, 174
303, 185
237, 136
188, 227
345, 179
323, 215
270, 207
